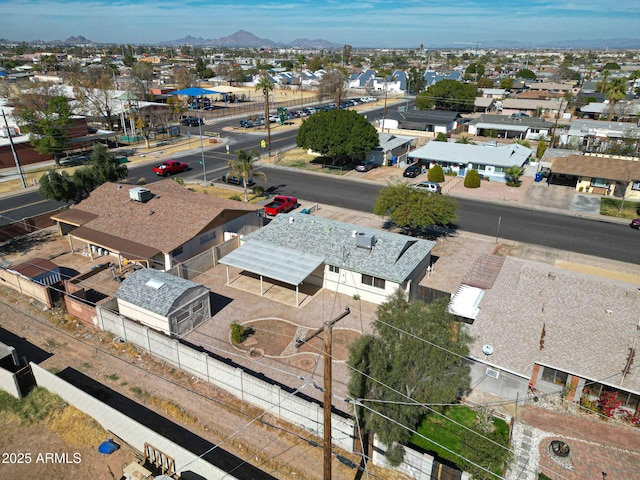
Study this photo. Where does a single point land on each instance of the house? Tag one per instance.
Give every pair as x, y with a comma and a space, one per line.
515, 126
616, 177
435, 121
562, 332
340, 257
594, 135
159, 226
163, 301
531, 107
431, 77
361, 80
391, 148
489, 160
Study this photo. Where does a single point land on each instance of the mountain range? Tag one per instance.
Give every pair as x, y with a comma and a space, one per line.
242, 38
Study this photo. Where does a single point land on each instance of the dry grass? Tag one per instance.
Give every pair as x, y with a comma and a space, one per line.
76, 427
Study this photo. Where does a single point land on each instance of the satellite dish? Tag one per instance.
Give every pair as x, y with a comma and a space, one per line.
487, 349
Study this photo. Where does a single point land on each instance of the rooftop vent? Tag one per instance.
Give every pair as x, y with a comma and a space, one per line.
140, 194
365, 240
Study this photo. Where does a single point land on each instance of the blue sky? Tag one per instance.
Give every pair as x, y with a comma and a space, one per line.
376, 23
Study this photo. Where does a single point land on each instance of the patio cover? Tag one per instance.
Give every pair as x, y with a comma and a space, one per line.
503, 126
196, 92
273, 261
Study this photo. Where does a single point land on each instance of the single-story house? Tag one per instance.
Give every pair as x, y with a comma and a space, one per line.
530, 107
489, 160
559, 331
159, 226
163, 301
341, 257
595, 135
505, 126
391, 148
617, 177
436, 121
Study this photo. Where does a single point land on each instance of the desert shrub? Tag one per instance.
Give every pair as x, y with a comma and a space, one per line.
237, 198
237, 332
435, 174
472, 179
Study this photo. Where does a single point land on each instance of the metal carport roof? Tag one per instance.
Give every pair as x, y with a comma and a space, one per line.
273, 261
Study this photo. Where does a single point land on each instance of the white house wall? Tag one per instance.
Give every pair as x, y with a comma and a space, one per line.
143, 316
349, 283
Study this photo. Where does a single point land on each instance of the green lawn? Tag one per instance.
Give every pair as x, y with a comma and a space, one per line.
611, 208
449, 435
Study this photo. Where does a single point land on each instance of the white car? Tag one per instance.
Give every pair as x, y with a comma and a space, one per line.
429, 187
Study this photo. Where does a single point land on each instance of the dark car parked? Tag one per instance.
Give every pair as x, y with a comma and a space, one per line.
233, 180
191, 121
412, 171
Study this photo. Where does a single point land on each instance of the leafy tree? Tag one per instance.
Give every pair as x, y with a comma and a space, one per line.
448, 95
94, 89
315, 63
57, 186
332, 85
415, 80
541, 148
435, 174
244, 166
485, 82
128, 59
46, 115
526, 73
472, 179
465, 141
441, 137
524, 143
344, 135
513, 174
412, 210
474, 71
288, 64
611, 66
506, 83
407, 359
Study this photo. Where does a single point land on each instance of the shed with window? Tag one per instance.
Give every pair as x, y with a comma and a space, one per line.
163, 301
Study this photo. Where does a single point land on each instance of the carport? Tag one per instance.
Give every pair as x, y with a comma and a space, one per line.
274, 262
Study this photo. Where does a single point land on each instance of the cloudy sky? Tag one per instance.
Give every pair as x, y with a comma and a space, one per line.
361, 23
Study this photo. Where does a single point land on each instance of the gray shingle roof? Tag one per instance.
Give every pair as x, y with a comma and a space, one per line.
394, 257
503, 156
160, 300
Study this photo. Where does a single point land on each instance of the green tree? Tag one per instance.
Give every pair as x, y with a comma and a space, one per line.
47, 117
58, 186
506, 83
129, 58
415, 354
435, 174
412, 210
474, 71
244, 167
614, 92
611, 66
485, 82
465, 141
441, 137
344, 135
315, 63
472, 179
524, 143
448, 95
541, 148
526, 73
415, 80
513, 174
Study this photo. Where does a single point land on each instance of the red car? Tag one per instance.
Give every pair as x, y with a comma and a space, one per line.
635, 223
280, 204
170, 167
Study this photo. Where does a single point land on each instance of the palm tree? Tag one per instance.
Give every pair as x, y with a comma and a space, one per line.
243, 168
266, 85
615, 91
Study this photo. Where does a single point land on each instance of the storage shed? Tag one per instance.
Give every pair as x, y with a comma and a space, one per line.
163, 302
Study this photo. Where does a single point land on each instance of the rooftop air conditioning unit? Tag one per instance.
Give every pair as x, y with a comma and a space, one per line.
365, 240
140, 194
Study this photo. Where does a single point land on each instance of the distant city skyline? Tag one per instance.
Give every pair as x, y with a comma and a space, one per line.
360, 23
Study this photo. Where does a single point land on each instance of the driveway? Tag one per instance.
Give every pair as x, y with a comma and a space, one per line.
543, 194
585, 203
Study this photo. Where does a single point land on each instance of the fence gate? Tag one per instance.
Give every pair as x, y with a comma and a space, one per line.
26, 380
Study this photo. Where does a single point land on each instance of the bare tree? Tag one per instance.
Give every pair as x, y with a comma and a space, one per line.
95, 90
332, 85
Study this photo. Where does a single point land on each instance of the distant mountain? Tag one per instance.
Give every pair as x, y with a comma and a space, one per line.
79, 40
246, 39
583, 44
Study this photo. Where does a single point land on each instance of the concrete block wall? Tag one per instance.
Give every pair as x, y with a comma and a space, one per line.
126, 428
9, 383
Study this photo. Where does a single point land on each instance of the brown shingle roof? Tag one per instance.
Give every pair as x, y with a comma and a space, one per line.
172, 217
597, 167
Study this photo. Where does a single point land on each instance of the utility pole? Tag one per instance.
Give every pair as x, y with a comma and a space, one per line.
326, 328
13, 150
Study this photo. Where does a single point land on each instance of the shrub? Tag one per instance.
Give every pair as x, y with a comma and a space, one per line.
609, 403
237, 198
435, 174
472, 179
237, 332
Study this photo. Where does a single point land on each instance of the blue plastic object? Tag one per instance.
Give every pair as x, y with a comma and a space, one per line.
108, 447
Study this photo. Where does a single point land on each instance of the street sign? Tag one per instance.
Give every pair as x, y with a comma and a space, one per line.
263, 143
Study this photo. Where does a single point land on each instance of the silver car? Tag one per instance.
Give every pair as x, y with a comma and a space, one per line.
429, 187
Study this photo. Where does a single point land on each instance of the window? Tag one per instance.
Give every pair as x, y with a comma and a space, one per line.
599, 182
181, 317
499, 169
554, 376
373, 281
197, 307
177, 252
635, 185
334, 269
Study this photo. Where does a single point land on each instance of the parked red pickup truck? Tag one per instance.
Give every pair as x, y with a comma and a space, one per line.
170, 167
280, 204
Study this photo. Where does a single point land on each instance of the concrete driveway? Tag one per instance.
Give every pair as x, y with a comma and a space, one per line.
542, 194
585, 203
